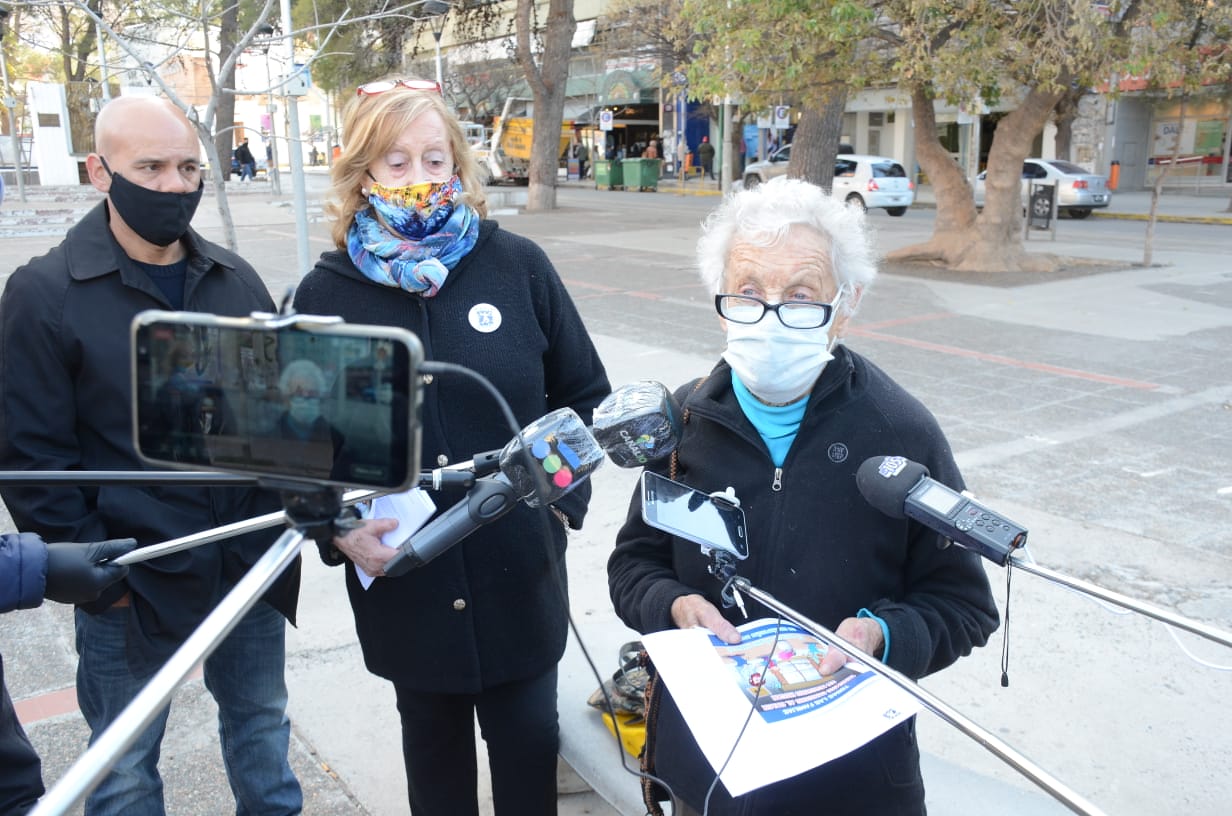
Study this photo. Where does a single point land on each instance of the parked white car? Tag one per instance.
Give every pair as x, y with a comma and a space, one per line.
1078, 191
872, 182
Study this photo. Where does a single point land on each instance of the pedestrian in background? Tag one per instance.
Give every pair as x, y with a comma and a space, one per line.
479, 630
583, 157
705, 155
66, 403
248, 164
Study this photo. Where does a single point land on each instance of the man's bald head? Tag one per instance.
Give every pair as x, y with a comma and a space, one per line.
127, 117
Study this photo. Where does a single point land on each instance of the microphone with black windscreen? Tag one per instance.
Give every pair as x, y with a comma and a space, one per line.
901, 488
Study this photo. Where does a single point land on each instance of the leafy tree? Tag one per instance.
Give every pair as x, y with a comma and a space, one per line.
1181, 48
805, 53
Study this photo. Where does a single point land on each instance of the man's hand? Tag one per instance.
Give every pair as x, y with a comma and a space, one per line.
363, 545
74, 575
863, 633
694, 610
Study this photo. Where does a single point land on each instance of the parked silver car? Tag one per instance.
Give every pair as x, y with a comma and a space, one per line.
1078, 192
868, 181
774, 165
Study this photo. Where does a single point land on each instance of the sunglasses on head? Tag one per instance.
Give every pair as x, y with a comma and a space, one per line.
383, 85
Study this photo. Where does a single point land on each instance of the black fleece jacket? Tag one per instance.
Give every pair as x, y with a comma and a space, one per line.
816, 545
488, 611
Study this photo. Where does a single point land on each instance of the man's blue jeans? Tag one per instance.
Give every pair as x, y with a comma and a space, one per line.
246, 677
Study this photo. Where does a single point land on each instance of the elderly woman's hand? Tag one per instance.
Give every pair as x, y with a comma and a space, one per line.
863, 633
363, 545
694, 610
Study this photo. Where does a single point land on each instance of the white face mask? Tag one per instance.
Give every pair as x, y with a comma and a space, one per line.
778, 364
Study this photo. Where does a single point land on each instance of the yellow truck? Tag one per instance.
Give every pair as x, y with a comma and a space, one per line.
506, 158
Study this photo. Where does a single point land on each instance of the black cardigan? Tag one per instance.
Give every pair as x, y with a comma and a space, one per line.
817, 546
487, 611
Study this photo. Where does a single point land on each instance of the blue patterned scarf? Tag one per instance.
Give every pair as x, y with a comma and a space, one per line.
428, 232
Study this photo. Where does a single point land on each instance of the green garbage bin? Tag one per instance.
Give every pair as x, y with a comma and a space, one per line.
608, 174
642, 174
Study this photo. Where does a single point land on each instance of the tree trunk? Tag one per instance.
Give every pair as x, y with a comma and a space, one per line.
224, 114
815, 144
1064, 115
547, 83
990, 242
1148, 243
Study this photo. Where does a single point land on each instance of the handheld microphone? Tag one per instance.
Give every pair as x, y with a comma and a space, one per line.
560, 445
901, 488
638, 423
635, 424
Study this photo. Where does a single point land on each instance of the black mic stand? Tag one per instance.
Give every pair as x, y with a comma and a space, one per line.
312, 513
722, 566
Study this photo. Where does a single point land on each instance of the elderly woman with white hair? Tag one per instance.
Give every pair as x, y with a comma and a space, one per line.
786, 418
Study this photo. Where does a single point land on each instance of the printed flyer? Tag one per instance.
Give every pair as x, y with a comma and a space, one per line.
762, 711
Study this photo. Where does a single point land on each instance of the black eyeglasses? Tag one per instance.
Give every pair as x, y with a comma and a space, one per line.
380, 86
794, 314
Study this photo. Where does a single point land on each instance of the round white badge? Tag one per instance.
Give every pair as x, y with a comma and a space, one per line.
484, 317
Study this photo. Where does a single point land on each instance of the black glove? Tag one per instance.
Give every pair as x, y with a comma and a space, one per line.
74, 577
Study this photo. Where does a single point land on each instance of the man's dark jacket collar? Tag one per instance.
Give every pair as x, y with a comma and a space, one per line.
90, 240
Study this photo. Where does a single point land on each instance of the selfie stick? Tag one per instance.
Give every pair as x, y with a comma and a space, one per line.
93, 765
1003, 751
227, 531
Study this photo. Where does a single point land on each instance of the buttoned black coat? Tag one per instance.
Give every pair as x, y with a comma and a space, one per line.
492, 609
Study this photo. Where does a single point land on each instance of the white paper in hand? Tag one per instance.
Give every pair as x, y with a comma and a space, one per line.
412, 509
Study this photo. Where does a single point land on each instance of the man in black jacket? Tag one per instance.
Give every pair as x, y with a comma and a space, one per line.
65, 403
784, 420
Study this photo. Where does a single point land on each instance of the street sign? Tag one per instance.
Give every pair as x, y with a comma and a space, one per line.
680, 78
605, 120
782, 117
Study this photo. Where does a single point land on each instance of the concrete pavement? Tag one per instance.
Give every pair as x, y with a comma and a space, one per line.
1092, 408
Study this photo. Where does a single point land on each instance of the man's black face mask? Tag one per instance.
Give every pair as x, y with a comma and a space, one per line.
159, 218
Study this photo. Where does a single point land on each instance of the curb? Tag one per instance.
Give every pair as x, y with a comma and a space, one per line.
1225, 220
1129, 216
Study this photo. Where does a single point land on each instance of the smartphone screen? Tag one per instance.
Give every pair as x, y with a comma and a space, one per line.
693, 515
323, 404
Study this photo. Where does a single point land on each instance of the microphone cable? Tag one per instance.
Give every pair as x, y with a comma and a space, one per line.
765, 668
1026, 555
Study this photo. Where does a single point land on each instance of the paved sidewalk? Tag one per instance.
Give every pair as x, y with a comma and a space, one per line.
1092, 409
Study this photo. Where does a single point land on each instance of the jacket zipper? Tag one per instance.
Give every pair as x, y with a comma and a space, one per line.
777, 484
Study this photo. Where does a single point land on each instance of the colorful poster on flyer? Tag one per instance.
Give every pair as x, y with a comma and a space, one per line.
777, 666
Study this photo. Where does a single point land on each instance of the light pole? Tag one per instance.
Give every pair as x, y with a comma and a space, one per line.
438, 11
10, 103
271, 169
